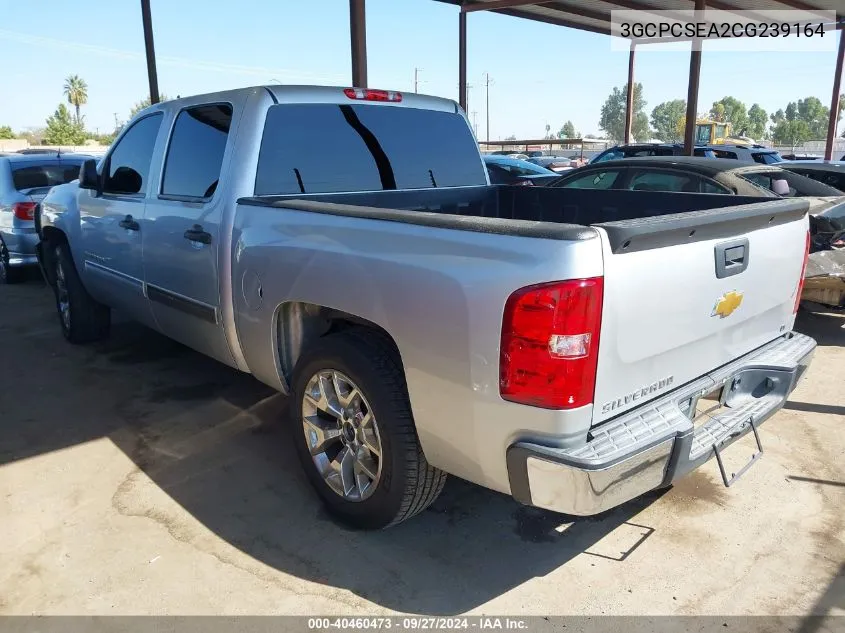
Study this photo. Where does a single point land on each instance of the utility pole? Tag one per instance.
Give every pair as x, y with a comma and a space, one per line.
469, 87
487, 85
475, 123
416, 78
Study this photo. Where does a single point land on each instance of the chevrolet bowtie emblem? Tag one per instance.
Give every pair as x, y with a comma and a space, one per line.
726, 304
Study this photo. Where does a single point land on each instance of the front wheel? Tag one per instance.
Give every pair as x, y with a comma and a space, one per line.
351, 421
83, 320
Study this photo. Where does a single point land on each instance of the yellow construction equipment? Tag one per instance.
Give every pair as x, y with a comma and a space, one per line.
717, 133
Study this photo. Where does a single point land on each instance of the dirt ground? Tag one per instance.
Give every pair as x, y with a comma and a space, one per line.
138, 477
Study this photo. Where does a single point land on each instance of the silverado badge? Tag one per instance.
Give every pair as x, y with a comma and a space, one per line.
726, 304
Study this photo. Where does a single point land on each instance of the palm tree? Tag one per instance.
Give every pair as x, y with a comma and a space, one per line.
77, 94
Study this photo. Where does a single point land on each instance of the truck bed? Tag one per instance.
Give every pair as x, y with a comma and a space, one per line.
628, 217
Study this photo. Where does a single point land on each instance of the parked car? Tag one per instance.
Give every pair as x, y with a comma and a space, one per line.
829, 173
532, 340
787, 157
647, 149
38, 150
511, 171
554, 163
24, 180
747, 153
693, 174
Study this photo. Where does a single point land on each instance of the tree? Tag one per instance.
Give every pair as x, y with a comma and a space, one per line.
512, 137
76, 91
567, 131
6, 132
145, 103
612, 120
732, 111
792, 133
815, 114
791, 111
62, 130
590, 136
667, 120
756, 122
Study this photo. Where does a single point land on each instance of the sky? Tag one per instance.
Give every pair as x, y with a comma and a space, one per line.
540, 74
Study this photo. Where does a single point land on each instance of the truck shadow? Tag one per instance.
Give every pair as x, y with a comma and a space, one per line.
470, 546
213, 440
828, 328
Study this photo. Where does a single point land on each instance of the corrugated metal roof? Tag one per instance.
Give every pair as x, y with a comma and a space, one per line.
594, 15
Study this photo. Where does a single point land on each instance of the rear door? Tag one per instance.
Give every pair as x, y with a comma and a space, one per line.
181, 233
685, 300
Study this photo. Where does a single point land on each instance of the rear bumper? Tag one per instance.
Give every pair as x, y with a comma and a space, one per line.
21, 246
656, 444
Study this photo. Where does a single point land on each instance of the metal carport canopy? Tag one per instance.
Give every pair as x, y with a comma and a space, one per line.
595, 16
586, 15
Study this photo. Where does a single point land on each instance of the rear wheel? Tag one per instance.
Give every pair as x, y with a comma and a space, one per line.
353, 429
83, 320
8, 274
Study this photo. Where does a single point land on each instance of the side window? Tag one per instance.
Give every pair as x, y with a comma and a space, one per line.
498, 176
609, 155
711, 186
663, 181
641, 152
721, 153
128, 166
594, 180
837, 181
195, 154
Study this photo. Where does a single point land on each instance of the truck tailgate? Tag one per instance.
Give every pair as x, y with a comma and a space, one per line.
687, 293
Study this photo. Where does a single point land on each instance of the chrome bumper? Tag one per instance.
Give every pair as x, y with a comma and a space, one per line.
656, 444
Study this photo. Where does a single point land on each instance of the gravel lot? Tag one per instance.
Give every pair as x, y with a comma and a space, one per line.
138, 477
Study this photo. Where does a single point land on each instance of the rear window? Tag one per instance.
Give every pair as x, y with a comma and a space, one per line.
325, 148
798, 185
767, 158
44, 175
831, 179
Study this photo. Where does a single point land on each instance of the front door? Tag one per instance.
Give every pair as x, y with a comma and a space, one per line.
181, 231
110, 222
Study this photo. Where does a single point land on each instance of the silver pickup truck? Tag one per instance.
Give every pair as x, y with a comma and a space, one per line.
345, 247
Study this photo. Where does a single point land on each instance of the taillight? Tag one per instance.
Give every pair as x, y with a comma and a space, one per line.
24, 210
550, 344
801, 278
364, 94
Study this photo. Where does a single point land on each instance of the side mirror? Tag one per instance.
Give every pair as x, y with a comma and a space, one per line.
88, 176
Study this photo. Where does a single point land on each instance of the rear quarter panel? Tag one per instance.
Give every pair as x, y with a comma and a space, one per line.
439, 293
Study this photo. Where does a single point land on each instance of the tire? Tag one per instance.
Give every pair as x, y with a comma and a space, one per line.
82, 319
406, 483
9, 274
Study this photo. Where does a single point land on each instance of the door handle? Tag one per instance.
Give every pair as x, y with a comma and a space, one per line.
196, 234
129, 223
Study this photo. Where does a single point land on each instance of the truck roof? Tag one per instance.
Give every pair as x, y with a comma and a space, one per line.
320, 94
